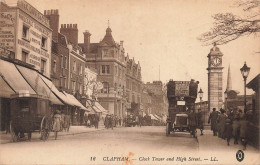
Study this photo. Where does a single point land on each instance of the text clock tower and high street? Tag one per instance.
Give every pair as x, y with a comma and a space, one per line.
215, 78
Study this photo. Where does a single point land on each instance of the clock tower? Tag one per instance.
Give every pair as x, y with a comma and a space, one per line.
215, 78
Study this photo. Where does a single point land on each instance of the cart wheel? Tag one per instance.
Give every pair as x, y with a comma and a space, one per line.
168, 129
14, 137
44, 129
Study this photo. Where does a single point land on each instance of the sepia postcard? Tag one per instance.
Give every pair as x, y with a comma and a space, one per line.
129, 82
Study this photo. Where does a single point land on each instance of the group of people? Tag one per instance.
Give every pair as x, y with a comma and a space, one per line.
195, 121
112, 121
91, 120
229, 124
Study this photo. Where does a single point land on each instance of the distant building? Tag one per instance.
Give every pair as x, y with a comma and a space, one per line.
159, 98
30, 35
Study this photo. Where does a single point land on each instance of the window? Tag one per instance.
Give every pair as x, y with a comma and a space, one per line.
115, 87
54, 66
25, 32
105, 69
61, 61
65, 62
74, 66
65, 82
105, 88
44, 42
105, 52
80, 71
24, 56
73, 85
80, 89
43, 65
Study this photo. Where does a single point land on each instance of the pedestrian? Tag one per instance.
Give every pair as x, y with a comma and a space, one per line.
228, 130
243, 129
236, 127
213, 120
62, 121
221, 124
57, 123
200, 121
193, 123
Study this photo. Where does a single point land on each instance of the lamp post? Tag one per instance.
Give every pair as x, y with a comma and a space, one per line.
245, 72
200, 96
225, 95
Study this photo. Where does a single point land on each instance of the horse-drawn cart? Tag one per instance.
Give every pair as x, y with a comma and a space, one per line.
30, 113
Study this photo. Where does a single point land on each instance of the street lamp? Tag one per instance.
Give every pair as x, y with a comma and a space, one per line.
225, 95
200, 94
245, 72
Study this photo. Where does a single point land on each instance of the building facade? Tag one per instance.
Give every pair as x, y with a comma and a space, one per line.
108, 58
27, 34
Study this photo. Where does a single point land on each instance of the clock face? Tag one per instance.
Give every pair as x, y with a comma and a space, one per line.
216, 61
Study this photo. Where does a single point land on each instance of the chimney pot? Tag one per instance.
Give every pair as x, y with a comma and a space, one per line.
44, 12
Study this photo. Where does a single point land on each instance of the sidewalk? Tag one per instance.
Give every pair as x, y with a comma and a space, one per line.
210, 142
74, 130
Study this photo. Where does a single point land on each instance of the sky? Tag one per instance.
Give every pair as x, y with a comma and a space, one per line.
162, 34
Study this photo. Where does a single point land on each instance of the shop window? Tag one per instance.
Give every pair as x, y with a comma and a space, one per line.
24, 56
43, 65
25, 32
44, 42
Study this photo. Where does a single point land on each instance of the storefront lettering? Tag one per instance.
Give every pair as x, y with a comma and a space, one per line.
36, 34
36, 41
26, 7
37, 50
7, 21
26, 20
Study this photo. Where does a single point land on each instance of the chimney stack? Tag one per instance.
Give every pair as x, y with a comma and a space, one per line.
86, 41
53, 16
71, 32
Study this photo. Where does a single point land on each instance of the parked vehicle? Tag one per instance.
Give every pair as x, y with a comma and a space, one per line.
30, 114
131, 121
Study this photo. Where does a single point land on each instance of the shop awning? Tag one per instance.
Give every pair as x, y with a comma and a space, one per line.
75, 101
95, 108
5, 89
59, 94
153, 117
35, 81
157, 116
100, 107
14, 78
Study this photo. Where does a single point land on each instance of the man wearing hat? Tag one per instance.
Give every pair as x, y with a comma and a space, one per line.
213, 120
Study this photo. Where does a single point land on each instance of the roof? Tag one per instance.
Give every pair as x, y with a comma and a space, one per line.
254, 84
108, 38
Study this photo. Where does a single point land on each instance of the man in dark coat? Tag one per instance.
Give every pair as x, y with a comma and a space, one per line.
213, 120
193, 123
200, 121
222, 123
228, 130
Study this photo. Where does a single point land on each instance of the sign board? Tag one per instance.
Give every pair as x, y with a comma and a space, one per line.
180, 102
182, 88
7, 30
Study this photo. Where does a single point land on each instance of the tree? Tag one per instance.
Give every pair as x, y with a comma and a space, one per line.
228, 27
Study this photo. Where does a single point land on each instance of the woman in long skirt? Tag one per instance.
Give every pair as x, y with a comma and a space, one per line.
57, 123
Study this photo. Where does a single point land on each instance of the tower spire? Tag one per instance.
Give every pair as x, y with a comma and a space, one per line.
229, 83
107, 23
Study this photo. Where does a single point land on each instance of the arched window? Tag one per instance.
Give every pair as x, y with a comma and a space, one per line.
105, 87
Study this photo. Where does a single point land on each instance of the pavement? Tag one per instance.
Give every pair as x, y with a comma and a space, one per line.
74, 130
208, 141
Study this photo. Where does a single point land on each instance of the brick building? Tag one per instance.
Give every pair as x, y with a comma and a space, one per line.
133, 85
108, 58
60, 53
